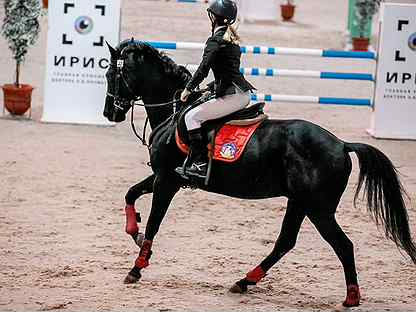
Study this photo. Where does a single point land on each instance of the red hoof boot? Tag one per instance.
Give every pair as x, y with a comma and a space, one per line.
131, 223
145, 253
353, 296
255, 275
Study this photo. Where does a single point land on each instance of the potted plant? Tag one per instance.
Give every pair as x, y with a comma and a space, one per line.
287, 9
21, 30
364, 11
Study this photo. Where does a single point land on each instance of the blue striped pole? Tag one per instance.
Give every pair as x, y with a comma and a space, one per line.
273, 72
268, 50
310, 99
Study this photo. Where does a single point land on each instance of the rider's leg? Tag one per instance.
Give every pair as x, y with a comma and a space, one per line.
212, 109
216, 108
197, 162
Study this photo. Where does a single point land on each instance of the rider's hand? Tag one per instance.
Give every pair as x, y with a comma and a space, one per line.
184, 95
205, 96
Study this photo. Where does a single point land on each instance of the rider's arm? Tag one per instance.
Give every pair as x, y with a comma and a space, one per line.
210, 51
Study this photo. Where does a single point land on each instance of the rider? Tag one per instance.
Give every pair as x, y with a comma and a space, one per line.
232, 92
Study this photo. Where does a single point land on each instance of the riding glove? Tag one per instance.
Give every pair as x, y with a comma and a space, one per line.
184, 95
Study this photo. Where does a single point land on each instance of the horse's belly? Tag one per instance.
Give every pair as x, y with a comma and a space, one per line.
251, 182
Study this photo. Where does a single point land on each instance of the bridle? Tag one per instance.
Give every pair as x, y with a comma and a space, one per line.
121, 103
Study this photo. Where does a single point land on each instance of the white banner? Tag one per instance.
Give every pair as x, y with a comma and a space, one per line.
255, 10
394, 115
77, 59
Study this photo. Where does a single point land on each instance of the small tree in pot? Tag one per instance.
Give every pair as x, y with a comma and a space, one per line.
364, 11
287, 9
21, 30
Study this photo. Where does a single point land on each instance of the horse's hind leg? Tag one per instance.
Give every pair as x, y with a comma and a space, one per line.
330, 230
292, 221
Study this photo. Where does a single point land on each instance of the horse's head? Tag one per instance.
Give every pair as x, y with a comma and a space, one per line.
137, 70
126, 76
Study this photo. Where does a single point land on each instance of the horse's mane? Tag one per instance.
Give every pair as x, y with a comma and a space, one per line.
169, 67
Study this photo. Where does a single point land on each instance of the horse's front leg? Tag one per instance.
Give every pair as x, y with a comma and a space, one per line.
143, 187
164, 189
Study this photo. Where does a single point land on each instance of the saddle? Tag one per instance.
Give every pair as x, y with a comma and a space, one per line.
225, 137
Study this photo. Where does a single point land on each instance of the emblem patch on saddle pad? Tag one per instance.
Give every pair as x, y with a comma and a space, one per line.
230, 142
228, 150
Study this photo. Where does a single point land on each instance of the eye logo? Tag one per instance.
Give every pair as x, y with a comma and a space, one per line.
83, 25
412, 42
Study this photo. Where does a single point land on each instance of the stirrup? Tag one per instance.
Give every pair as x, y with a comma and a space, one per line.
182, 170
186, 174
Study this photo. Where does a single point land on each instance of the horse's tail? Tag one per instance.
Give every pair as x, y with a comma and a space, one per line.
384, 194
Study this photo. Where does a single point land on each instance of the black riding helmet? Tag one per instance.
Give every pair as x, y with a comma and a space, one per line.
225, 10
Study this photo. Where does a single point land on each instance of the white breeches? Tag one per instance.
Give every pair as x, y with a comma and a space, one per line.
216, 108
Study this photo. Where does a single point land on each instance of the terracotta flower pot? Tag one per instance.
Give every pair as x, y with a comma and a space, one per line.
45, 3
360, 44
287, 10
17, 100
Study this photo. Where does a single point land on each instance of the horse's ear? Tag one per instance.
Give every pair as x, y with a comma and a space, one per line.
113, 52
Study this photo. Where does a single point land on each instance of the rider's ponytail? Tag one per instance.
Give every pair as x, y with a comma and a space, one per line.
231, 35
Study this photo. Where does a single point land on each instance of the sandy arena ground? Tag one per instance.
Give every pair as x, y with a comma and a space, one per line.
62, 196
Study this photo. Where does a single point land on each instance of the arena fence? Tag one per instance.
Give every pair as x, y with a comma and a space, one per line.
165, 45
274, 72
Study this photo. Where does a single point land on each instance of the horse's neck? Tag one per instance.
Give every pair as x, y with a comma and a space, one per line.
158, 114
158, 95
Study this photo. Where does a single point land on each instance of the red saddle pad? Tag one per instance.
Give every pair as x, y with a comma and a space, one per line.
230, 142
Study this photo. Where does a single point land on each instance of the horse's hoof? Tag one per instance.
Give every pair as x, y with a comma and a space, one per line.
340, 308
347, 304
353, 297
238, 288
131, 279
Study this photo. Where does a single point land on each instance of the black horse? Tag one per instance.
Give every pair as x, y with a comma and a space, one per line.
291, 158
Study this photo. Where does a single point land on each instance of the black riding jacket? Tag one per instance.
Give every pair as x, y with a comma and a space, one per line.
223, 58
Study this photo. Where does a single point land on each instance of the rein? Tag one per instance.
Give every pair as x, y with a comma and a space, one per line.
134, 103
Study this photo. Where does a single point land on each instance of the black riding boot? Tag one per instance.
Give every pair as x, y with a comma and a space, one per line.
196, 164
